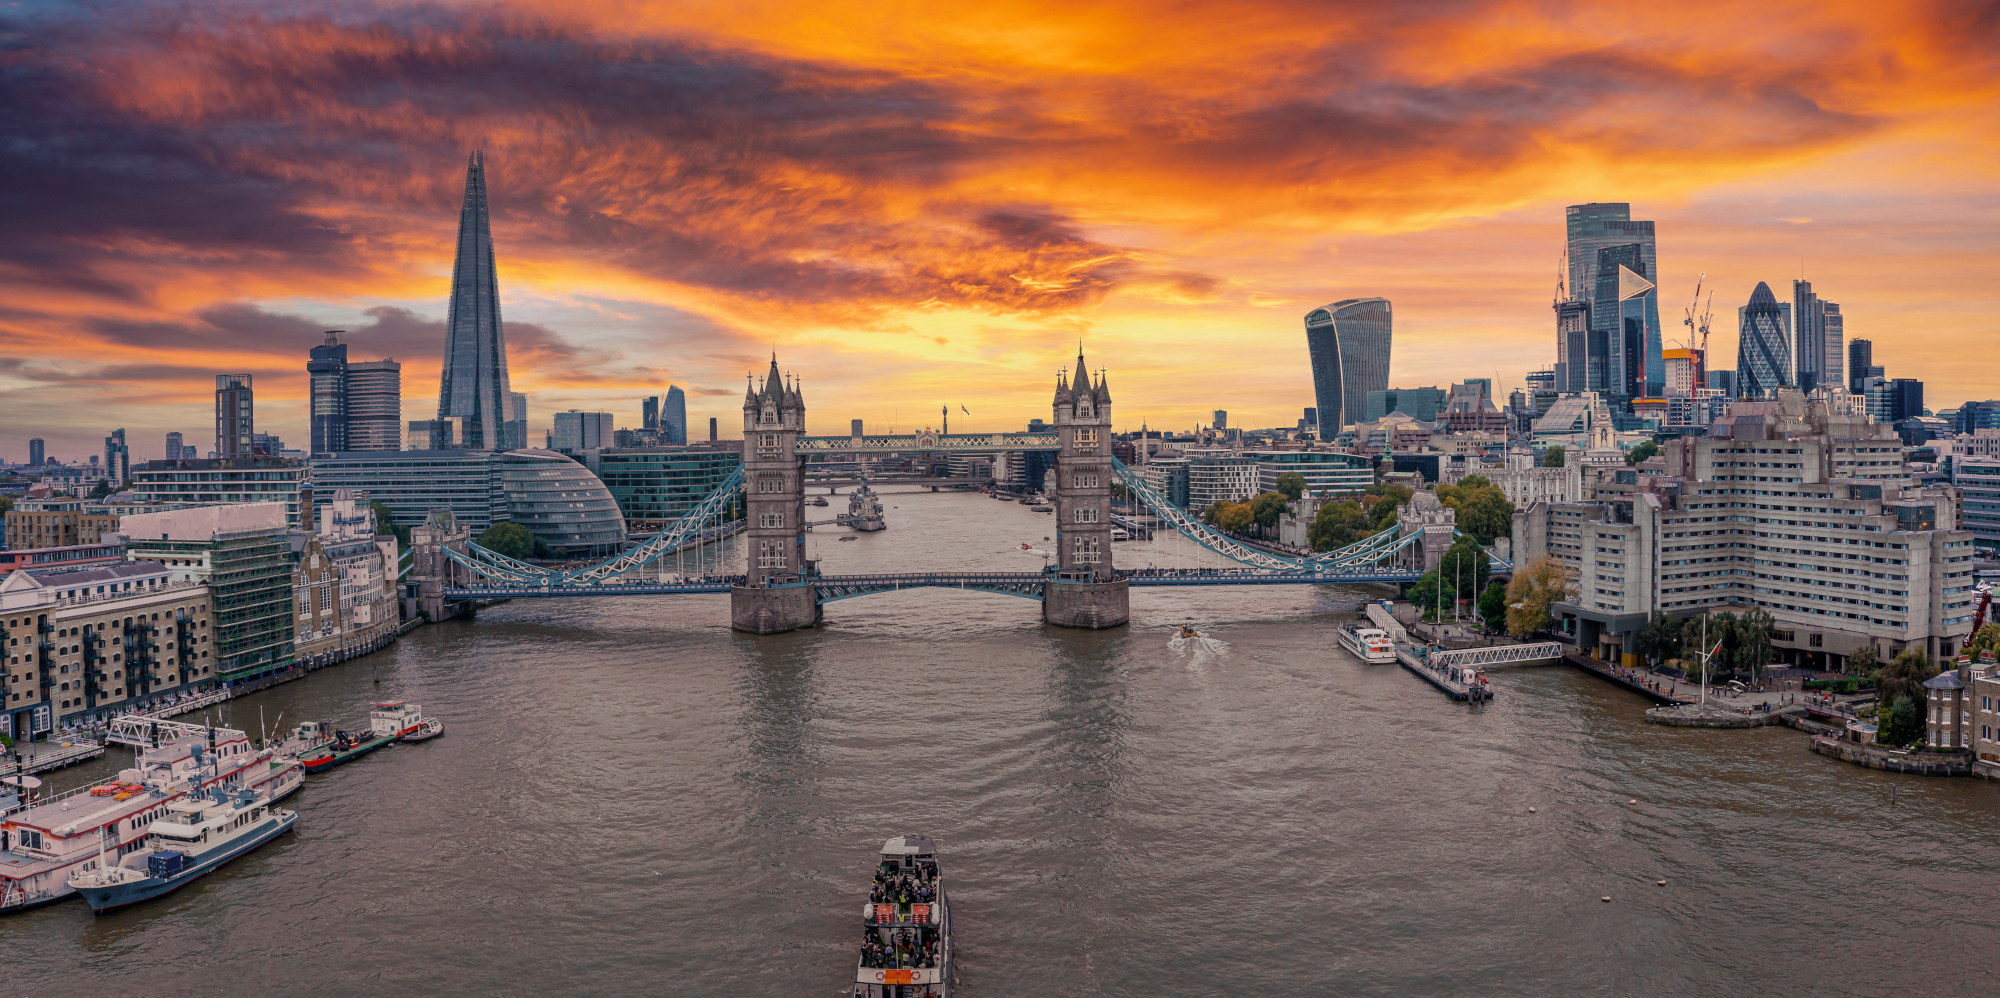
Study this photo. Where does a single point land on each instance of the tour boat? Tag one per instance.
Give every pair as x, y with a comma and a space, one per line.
45, 842
1369, 644
196, 835
390, 720
905, 926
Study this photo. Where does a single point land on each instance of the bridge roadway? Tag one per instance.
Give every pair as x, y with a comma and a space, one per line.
1023, 584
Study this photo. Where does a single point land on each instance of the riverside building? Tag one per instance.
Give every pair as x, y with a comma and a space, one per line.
222, 481
243, 554
81, 645
654, 486
1841, 548
560, 501
344, 584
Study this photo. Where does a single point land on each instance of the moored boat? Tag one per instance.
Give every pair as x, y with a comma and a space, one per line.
906, 926
196, 836
427, 729
46, 841
389, 721
1369, 644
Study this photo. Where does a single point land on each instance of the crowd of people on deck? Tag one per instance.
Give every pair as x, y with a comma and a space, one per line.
905, 948
917, 885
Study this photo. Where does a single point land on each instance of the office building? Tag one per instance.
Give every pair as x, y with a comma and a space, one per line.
649, 412
79, 645
1221, 476
375, 405
243, 555
517, 421
37, 452
117, 459
1763, 346
1219, 419
578, 431
1724, 382
1348, 343
1860, 357
1416, 403
1808, 350
854, 427
473, 389
344, 582
1625, 313
674, 415
1681, 376
1592, 227
235, 416
1572, 371
218, 481
1325, 472
433, 434
656, 485
326, 372
175, 448
1470, 409
1833, 343
58, 523
562, 503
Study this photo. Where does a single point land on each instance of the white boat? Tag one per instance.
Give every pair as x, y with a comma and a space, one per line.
905, 926
196, 836
46, 842
1369, 644
1120, 534
426, 729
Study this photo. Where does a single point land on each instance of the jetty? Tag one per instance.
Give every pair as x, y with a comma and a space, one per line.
1459, 682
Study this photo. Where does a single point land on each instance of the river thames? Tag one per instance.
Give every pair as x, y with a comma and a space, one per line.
632, 799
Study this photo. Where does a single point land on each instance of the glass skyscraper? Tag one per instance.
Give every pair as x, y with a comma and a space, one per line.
674, 415
1592, 229
474, 389
1348, 342
1763, 344
326, 369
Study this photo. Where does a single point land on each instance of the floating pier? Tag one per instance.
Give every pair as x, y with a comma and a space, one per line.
1459, 682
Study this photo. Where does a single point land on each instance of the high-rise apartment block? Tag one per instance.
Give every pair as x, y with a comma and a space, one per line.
235, 416
375, 404
1348, 342
37, 452
473, 389
117, 459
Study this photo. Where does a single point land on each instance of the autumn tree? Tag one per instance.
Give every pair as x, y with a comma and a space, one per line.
1537, 586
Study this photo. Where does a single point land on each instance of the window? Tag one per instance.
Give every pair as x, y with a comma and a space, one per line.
1085, 514
1813, 640
771, 554
771, 519
769, 485
1086, 435
1084, 482
1086, 551
767, 441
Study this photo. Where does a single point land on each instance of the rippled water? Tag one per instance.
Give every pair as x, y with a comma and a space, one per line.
631, 799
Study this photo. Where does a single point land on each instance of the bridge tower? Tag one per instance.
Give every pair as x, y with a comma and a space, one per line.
431, 572
1083, 592
778, 593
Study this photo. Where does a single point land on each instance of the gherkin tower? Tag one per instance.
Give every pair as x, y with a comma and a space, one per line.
474, 386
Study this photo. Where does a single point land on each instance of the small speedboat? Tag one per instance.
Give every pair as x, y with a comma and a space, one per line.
427, 729
850, 537
1189, 632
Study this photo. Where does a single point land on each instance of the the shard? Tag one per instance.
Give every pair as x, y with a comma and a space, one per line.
474, 391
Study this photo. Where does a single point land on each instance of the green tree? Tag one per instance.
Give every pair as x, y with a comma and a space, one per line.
1553, 459
1339, 524
510, 539
1483, 510
1904, 725
1646, 449
385, 523
101, 489
1434, 594
1536, 586
1661, 638
1292, 484
1750, 649
1904, 678
1861, 661
1467, 566
1987, 639
1493, 605
1266, 508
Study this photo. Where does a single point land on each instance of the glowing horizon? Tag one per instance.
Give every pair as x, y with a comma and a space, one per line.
919, 208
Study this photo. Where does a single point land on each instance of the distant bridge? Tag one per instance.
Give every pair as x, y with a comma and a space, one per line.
833, 588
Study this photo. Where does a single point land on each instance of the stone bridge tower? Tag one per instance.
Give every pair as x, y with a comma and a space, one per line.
778, 593
431, 572
1083, 592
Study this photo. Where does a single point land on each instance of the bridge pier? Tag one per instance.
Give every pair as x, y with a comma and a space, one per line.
1093, 605
773, 610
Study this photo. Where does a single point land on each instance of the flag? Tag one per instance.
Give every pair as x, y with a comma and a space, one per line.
963, 409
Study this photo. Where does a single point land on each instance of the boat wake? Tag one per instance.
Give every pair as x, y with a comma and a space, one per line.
1199, 646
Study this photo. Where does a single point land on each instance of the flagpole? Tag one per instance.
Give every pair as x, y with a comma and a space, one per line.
1704, 659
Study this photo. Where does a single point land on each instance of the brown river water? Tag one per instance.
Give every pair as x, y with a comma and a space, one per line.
632, 799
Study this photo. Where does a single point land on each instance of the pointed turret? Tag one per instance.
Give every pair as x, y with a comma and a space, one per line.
1104, 389
1081, 382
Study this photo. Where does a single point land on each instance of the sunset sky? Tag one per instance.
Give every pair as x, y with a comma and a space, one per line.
916, 207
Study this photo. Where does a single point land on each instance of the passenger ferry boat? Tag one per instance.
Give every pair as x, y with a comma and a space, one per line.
196, 836
905, 926
1370, 644
389, 721
46, 842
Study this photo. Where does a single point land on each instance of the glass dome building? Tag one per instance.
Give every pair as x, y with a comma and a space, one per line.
561, 502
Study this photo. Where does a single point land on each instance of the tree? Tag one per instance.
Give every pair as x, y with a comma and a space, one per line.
1536, 586
1339, 524
101, 489
385, 523
1553, 459
1493, 605
1751, 647
1483, 510
1266, 508
1903, 678
1987, 639
1904, 725
1292, 484
1646, 449
510, 539
1661, 639
1466, 566
1434, 594
1861, 661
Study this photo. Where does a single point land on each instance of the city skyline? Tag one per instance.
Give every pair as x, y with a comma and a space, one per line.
936, 268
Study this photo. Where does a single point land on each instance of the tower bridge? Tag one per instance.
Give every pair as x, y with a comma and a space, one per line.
779, 589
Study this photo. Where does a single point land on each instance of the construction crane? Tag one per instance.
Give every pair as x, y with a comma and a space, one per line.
1698, 326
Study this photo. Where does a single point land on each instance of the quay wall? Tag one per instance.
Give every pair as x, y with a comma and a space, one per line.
1878, 758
